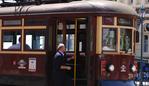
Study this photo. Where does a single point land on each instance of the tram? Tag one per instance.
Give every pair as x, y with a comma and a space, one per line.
99, 34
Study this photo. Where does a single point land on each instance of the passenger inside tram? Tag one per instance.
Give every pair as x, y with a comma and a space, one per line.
18, 46
109, 39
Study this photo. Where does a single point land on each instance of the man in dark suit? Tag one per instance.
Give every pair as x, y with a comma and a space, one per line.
60, 78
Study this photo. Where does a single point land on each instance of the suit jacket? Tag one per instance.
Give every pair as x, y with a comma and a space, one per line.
59, 59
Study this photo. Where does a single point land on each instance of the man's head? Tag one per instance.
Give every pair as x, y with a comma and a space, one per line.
20, 40
61, 47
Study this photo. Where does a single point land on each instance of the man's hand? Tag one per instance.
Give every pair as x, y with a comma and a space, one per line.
70, 58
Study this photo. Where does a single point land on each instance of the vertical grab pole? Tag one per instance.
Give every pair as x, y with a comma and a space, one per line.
75, 53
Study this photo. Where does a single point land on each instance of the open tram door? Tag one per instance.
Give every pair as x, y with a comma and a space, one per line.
74, 32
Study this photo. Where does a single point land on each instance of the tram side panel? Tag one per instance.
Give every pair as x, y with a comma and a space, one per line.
22, 69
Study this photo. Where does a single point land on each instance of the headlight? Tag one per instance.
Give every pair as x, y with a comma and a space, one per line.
110, 67
133, 68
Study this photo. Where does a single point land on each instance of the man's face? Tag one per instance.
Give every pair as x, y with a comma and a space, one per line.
63, 49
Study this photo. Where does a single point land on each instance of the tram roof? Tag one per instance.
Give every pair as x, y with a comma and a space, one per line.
72, 7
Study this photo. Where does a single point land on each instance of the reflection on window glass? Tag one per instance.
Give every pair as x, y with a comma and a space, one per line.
125, 22
12, 22
70, 26
145, 43
60, 26
70, 42
80, 46
82, 26
109, 39
108, 20
12, 39
35, 39
138, 2
59, 38
126, 40
35, 21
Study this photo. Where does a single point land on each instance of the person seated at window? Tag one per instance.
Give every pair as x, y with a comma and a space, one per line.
18, 46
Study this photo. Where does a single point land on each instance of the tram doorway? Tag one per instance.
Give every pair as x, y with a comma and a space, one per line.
73, 33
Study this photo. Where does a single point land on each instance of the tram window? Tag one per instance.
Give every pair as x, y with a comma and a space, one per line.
70, 26
138, 2
145, 43
11, 39
35, 39
126, 40
82, 26
12, 22
109, 39
59, 38
125, 22
108, 20
59, 33
60, 26
137, 36
70, 42
35, 21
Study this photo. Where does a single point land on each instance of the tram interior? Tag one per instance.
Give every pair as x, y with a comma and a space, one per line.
69, 37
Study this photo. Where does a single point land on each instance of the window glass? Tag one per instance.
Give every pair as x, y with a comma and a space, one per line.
35, 21
122, 1
70, 30
130, 1
145, 43
138, 2
147, 27
108, 20
59, 38
126, 40
12, 22
11, 39
70, 26
70, 42
109, 39
82, 26
34, 40
125, 22
82, 41
146, 1
60, 26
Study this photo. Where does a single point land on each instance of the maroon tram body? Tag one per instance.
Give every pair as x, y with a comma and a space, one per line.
85, 27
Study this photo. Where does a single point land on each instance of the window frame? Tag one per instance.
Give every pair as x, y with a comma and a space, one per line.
104, 19
45, 34
116, 39
19, 30
132, 40
125, 25
18, 19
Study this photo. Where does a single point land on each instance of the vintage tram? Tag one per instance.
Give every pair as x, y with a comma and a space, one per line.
100, 35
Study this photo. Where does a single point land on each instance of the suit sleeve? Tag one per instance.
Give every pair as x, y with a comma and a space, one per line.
59, 61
